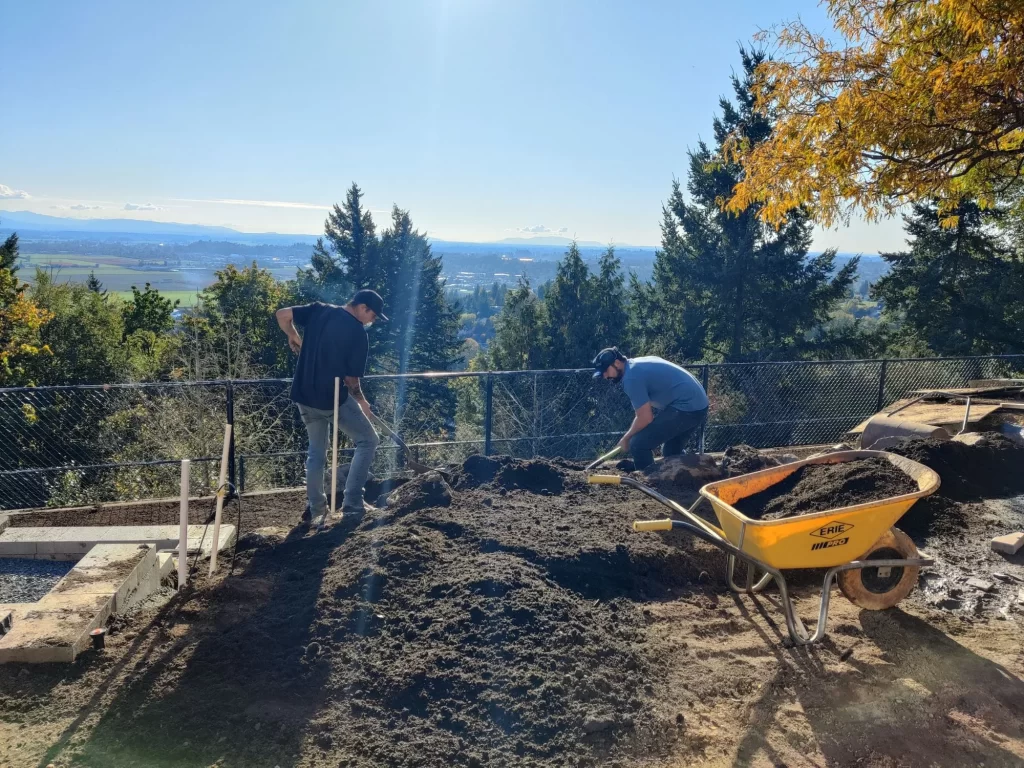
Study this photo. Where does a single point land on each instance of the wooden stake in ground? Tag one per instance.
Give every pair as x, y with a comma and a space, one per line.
334, 449
221, 492
183, 527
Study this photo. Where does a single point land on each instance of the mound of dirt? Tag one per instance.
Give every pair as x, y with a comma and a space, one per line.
743, 459
428, 490
495, 627
820, 487
680, 477
990, 468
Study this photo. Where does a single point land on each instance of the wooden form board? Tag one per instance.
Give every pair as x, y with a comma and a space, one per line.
936, 414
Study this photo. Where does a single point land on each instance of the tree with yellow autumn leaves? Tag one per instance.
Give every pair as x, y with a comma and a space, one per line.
20, 322
919, 100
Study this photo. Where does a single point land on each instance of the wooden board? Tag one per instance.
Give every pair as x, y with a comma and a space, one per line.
1009, 388
936, 414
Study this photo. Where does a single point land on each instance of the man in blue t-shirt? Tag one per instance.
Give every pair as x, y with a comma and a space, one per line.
670, 403
333, 344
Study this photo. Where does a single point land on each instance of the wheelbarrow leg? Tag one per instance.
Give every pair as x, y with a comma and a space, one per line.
750, 588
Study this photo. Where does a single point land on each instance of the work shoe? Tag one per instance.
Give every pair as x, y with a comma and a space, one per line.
357, 513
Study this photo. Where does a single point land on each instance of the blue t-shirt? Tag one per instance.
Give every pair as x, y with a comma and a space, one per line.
662, 384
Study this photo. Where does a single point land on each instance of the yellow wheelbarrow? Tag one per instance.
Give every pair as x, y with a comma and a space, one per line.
875, 564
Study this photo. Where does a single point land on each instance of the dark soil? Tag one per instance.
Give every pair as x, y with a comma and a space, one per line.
743, 459
475, 623
991, 468
821, 487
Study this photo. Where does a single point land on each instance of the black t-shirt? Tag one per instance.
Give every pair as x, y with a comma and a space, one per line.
334, 344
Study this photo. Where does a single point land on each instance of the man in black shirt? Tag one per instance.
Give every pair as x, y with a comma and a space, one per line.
333, 344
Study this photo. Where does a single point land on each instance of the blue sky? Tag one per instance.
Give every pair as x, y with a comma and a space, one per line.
484, 118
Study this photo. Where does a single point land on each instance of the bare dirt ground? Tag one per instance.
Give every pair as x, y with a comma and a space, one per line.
512, 618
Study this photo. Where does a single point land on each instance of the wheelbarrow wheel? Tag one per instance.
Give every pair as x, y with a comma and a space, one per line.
879, 588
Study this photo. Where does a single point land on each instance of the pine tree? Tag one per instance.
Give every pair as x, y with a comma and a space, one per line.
571, 313
94, 285
347, 262
519, 342
610, 299
726, 286
958, 290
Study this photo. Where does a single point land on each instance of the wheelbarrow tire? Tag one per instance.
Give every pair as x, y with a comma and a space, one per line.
874, 590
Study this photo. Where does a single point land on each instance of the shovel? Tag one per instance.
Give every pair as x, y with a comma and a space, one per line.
607, 456
414, 465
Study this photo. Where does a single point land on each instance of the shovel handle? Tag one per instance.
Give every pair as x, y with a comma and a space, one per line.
604, 479
607, 456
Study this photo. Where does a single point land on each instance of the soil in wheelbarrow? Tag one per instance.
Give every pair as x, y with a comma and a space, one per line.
821, 487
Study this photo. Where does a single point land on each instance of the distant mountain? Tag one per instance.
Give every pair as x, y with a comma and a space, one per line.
37, 223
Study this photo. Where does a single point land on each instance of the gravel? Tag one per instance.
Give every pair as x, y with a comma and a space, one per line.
25, 580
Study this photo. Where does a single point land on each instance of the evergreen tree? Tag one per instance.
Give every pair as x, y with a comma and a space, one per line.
94, 285
610, 300
727, 286
348, 261
519, 342
571, 313
958, 290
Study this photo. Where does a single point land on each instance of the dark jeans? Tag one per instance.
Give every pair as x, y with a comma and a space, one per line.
670, 428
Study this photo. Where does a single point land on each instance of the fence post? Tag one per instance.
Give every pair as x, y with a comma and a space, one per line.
488, 412
241, 473
231, 445
704, 424
881, 386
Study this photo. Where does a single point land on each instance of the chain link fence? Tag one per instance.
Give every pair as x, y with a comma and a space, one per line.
68, 446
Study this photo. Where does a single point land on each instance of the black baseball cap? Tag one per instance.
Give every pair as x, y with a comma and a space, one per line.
372, 300
605, 358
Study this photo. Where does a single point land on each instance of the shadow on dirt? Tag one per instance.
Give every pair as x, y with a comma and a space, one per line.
917, 706
229, 660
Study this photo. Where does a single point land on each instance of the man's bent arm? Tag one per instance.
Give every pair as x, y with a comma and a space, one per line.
352, 383
644, 416
285, 319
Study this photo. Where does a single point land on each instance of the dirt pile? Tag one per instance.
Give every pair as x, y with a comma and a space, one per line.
743, 459
680, 477
990, 468
820, 487
494, 623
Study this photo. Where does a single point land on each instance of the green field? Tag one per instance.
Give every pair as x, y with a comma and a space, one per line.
118, 274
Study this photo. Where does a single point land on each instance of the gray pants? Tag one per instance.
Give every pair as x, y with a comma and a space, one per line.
353, 422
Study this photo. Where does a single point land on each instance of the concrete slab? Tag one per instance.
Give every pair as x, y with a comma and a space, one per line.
39, 637
5, 520
111, 570
56, 628
1008, 544
76, 541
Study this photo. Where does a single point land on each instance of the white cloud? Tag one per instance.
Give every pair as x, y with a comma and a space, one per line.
259, 203
540, 229
141, 207
6, 193
77, 207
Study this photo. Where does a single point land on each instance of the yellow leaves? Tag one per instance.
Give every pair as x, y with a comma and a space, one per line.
923, 99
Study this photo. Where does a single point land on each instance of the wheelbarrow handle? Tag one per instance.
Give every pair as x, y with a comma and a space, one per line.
652, 525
